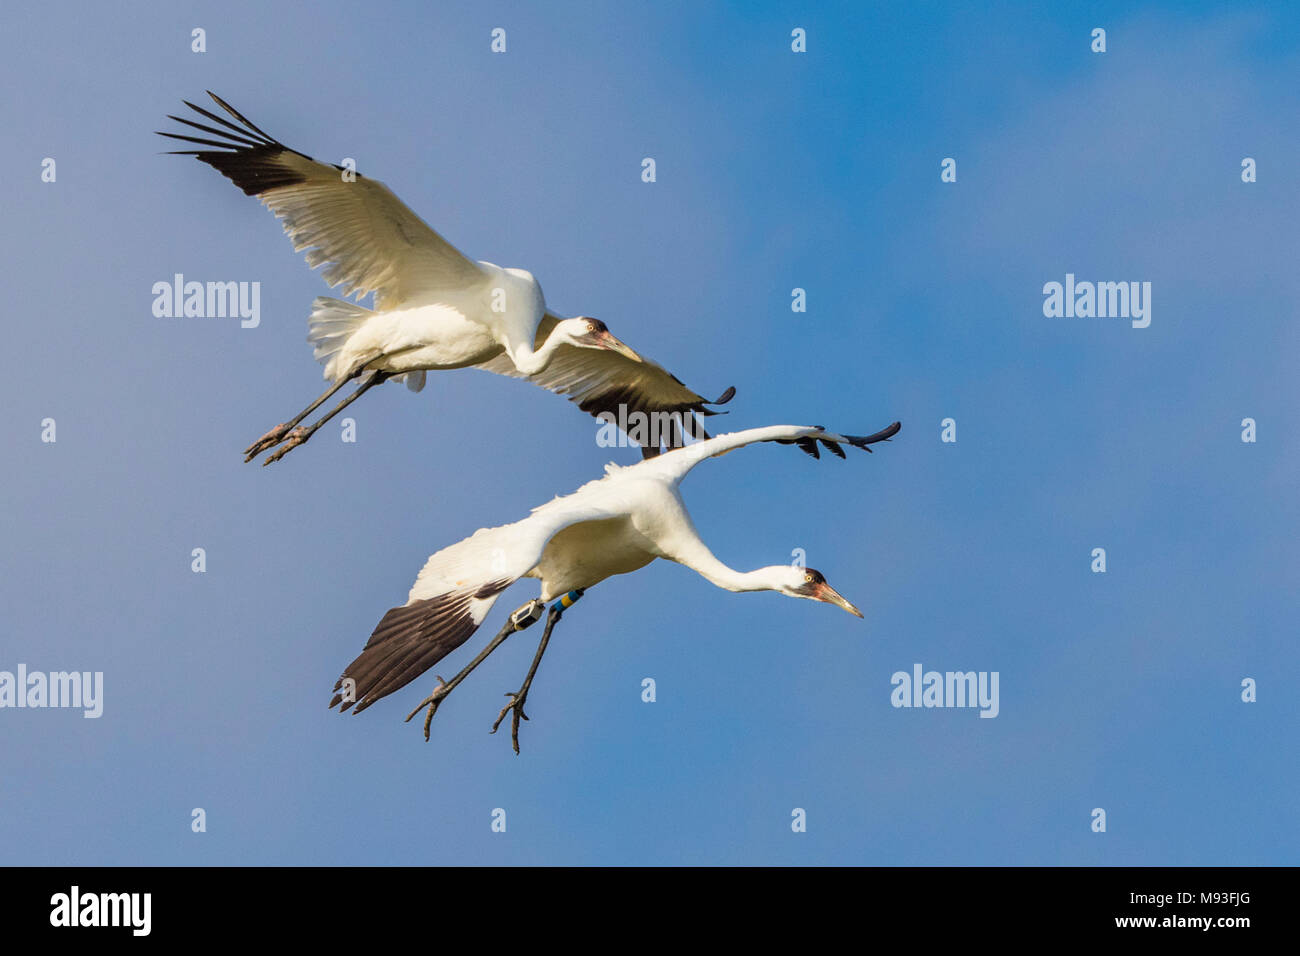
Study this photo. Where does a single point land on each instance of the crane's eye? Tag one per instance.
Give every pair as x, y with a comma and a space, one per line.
591, 327
808, 578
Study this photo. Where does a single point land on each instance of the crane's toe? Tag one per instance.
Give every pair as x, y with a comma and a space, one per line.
287, 444
517, 698
272, 437
432, 702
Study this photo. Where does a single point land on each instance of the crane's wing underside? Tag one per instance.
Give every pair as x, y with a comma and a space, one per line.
367, 238
650, 404
451, 597
412, 638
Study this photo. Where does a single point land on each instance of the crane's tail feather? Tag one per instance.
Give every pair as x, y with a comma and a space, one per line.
331, 324
409, 640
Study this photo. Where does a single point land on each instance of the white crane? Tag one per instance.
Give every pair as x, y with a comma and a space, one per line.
434, 308
613, 525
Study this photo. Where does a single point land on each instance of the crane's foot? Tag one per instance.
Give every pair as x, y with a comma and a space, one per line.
269, 440
520, 619
516, 704
291, 441
432, 701
518, 697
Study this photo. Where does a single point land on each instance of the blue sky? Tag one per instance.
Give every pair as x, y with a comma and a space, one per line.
775, 170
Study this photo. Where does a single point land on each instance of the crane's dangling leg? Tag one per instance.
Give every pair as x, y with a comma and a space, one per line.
300, 435
518, 697
276, 434
521, 618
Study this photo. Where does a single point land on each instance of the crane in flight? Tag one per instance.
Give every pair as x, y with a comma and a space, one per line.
434, 309
613, 525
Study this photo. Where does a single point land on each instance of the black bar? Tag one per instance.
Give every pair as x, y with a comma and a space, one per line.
976, 904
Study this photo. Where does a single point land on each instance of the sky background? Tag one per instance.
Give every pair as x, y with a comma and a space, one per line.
775, 170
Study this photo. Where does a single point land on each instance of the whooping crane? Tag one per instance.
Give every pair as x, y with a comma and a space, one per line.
613, 525
434, 308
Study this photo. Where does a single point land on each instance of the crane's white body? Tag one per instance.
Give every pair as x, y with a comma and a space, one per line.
496, 312
584, 554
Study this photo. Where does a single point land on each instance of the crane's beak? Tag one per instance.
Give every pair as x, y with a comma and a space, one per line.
825, 592
606, 340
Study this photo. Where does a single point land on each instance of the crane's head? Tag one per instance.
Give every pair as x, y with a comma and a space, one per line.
588, 333
810, 584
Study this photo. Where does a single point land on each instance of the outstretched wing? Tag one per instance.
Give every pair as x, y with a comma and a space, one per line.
452, 595
367, 238
600, 382
677, 463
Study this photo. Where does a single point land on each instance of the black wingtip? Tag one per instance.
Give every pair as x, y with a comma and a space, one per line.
238, 115
725, 397
808, 445
885, 434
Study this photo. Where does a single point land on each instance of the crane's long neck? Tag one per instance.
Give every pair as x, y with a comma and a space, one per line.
696, 556
530, 362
